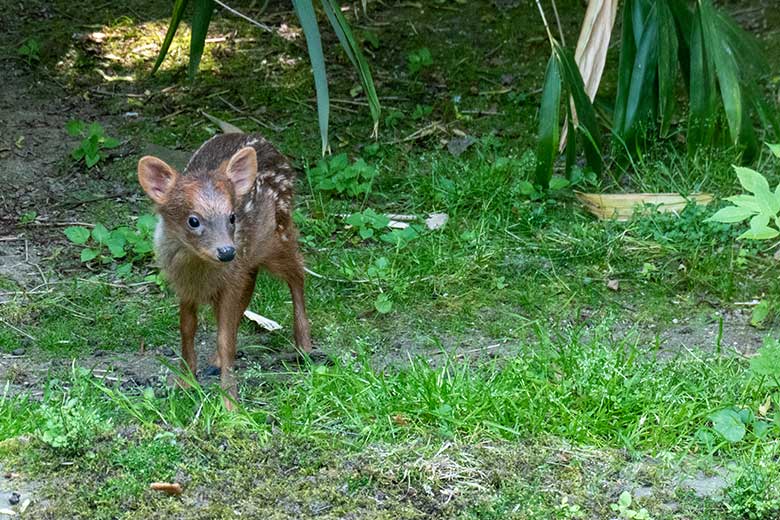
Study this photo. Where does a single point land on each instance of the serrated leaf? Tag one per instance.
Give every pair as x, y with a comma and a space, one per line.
728, 424
77, 234
731, 214
100, 234
88, 254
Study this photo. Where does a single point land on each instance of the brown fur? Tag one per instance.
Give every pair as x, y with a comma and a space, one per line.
225, 177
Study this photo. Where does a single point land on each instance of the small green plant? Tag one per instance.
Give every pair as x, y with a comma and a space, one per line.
421, 112
69, 426
31, 50
401, 237
624, 510
761, 207
28, 217
383, 304
367, 222
93, 142
419, 59
754, 494
336, 175
123, 243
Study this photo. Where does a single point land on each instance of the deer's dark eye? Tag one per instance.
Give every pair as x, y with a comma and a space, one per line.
232, 218
193, 222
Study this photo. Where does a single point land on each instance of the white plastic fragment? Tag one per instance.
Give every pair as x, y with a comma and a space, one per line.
267, 323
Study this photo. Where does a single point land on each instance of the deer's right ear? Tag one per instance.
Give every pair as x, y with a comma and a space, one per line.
156, 178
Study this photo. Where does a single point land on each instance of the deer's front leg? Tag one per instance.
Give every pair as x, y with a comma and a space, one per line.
188, 323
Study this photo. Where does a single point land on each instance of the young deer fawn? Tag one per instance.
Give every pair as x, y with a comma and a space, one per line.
221, 220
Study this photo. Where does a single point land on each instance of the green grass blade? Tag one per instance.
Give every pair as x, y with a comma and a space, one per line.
701, 121
305, 11
178, 12
351, 47
640, 93
200, 27
625, 67
668, 50
549, 122
587, 124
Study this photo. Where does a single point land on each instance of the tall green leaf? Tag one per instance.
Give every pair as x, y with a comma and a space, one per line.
549, 122
178, 12
625, 66
200, 27
668, 49
702, 95
305, 11
587, 124
641, 93
352, 49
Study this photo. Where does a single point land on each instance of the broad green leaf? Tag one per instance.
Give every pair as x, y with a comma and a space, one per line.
731, 214
200, 27
355, 219
558, 183
760, 429
116, 245
74, 128
746, 201
586, 115
123, 271
77, 234
526, 188
366, 233
110, 142
760, 313
88, 254
178, 11
759, 233
352, 49
775, 148
92, 160
549, 122
667, 64
146, 223
100, 234
95, 129
383, 304
308, 19
728, 424
77, 154
751, 180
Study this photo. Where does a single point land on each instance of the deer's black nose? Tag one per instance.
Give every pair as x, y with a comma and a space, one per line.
226, 254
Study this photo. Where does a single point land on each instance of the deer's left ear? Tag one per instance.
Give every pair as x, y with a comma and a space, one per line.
242, 170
